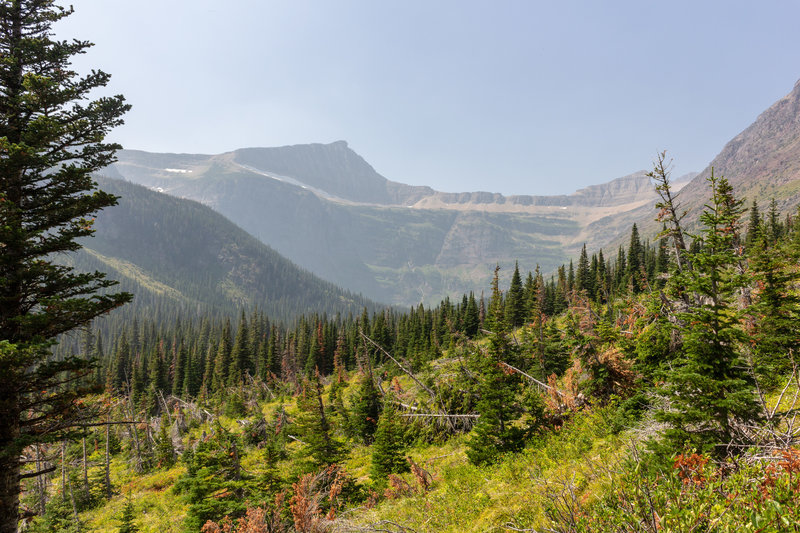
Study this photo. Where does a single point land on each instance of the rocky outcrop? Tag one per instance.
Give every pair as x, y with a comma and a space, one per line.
761, 162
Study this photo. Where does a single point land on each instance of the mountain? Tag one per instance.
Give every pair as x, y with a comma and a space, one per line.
325, 208
179, 254
762, 162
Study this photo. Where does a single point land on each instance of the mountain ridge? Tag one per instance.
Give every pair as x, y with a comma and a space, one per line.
324, 207
185, 255
392, 242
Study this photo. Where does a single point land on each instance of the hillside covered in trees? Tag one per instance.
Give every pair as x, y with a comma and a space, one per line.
649, 388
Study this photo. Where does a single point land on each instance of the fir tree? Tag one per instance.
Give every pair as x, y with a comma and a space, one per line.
754, 225
775, 310
471, 321
387, 451
708, 386
214, 483
583, 280
240, 359
515, 300
314, 426
495, 318
165, 451
494, 434
366, 409
635, 266
127, 524
51, 141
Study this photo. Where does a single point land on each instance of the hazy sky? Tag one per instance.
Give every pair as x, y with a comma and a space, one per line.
518, 97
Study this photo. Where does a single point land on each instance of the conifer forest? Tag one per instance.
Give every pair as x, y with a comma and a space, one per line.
650, 387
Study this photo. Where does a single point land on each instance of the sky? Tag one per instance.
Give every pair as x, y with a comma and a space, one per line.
509, 96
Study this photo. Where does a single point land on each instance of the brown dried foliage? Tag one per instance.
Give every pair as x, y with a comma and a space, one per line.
692, 469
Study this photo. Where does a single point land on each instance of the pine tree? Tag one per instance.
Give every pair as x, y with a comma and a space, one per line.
366, 409
387, 452
51, 140
515, 300
494, 434
635, 266
708, 386
314, 426
127, 524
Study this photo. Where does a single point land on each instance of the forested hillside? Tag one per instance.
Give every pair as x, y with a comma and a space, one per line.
180, 257
326, 209
648, 388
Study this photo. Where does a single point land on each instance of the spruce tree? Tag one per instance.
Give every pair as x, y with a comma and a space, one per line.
366, 409
471, 321
515, 300
754, 225
127, 524
387, 452
494, 433
775, 310
51, 140
708, 386
583, 280
635, 261
314, 426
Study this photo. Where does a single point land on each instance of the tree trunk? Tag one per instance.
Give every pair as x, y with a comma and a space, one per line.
85, 470
9, 459
41, 481
9, 494
108, 459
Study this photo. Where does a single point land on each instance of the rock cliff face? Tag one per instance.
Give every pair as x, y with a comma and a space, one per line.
327, 209
333, 168
762, 162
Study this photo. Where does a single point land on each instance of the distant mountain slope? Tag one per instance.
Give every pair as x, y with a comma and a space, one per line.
325, 208
182, 254
761, 162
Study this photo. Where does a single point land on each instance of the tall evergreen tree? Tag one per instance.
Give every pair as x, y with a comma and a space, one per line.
635, 268
494, 434
754, 225
51, 140
515, 300
314, 426
387, 452
471, 321
495, 318
708, 385
241, 357
775, 311
365, 411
